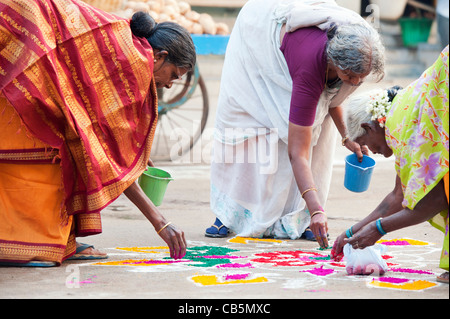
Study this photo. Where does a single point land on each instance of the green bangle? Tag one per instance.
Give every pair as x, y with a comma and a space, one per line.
380, 228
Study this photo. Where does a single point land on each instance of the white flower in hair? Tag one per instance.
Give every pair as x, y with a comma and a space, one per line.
378, 107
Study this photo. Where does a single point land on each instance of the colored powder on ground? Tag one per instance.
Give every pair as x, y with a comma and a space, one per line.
153, 262
236, 276
287, 258
411, 271
208, 256
337, 264
415, 285
245, 240
135, 262
321, 258
148, 250
319, 271
402, 242
325, 248
220, 257
235, 265
210, 280
396, 243
392, 280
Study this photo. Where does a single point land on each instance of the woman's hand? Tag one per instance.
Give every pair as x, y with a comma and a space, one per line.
357, 149
174, 238
337, 252
366, 237
319, 227
168, 232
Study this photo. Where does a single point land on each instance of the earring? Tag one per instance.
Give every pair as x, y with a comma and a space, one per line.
154, 60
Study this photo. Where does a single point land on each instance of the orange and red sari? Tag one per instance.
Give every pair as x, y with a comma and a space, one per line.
78, 111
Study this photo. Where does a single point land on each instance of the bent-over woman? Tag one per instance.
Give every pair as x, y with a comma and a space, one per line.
288, 67
78, 111
413, 125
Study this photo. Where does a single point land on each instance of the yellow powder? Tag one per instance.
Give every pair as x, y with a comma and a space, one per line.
245, 240
148, 250
131, 262
415, 285
212, 280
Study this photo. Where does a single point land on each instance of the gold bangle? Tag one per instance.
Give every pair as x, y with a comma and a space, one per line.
317, 212
163, 227
344, 140
309, 189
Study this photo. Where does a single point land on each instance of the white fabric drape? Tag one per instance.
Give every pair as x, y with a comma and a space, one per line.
253, 189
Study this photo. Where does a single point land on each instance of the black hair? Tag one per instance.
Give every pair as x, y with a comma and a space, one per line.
392, 92
168, 36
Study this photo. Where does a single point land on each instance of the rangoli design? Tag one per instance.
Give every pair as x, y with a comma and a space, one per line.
256, 261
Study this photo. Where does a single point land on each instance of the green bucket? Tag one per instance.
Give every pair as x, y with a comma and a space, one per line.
415, 30
154, 183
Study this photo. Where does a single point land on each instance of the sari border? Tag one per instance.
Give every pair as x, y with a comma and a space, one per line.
29, 156
23, 252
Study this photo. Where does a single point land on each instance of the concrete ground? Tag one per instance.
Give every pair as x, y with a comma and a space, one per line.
245, 270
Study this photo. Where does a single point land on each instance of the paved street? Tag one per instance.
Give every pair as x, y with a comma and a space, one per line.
235, 268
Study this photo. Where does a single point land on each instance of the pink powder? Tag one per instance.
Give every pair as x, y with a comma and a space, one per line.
220, 257
236, 276
396, 243
411, 271
235, 265
392, 280
319, 271
154, 262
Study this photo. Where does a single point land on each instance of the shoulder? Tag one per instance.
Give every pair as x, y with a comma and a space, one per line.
305, 47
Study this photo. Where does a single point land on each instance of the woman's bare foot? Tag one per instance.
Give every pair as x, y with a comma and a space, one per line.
443, 278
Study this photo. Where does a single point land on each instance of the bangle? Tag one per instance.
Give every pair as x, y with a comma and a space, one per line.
380, 229
317, 212
349, 232
344, 140
309, 189
163, 228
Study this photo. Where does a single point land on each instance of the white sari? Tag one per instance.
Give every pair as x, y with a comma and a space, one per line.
253, 188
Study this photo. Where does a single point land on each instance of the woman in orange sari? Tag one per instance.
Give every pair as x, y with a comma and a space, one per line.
78, 111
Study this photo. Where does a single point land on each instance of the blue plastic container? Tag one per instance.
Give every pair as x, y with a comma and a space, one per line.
206, 44
358, 175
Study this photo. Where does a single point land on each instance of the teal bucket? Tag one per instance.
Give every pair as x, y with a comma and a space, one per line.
358, 175
154, 183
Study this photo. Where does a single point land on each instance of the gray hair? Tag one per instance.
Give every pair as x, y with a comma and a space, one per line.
356, 47
356, 113
356, 110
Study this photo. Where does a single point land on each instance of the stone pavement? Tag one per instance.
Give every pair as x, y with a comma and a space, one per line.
235, 270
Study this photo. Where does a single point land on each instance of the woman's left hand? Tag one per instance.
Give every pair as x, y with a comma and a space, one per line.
319, 227
366, 237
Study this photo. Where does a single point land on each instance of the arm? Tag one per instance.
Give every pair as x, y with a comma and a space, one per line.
299, 141
171, 235
337, 114
391, 204
433, 203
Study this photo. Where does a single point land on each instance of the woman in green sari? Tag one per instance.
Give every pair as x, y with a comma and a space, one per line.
412, 124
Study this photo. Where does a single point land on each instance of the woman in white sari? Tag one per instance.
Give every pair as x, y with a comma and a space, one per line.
288, 67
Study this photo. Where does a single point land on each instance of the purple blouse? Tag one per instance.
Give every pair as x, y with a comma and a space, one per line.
305, 54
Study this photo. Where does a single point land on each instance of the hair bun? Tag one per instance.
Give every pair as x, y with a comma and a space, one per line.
142, 24
392, 92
